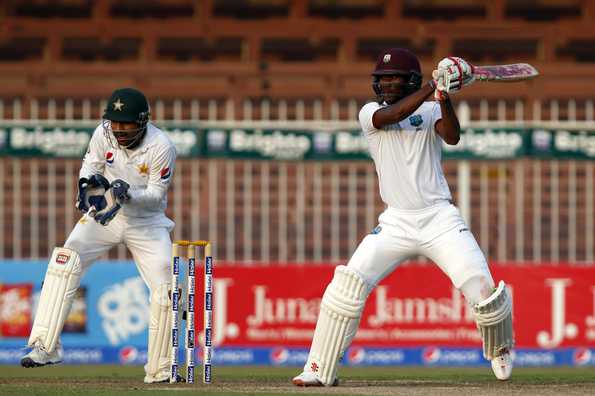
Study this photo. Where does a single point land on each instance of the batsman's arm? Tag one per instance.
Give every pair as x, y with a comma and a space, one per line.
161, 174
448, 126
404, 107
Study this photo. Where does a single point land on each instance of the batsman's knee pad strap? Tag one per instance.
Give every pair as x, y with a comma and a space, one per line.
159, 331
62, 279
494, 320
340, 312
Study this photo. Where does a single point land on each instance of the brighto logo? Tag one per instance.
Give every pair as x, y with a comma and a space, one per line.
275, 144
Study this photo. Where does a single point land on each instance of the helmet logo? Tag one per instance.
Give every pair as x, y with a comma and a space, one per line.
386, 58
118, 105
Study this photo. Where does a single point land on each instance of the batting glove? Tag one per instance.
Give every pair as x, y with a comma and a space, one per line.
452, 74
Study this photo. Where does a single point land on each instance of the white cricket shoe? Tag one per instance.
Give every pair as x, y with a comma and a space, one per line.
308, 378
40, 357
502, 366
161, 379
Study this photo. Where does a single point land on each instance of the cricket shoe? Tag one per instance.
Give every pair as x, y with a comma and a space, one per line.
40, 357
502, 366
308, 378
152, 380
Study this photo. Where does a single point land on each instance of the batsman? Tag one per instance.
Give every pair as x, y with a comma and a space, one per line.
405, 128
122, 194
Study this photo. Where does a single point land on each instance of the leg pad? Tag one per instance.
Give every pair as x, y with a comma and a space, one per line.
340, 312
159, 351
494, 320
62, 279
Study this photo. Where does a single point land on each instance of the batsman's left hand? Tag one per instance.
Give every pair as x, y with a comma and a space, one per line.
452, 74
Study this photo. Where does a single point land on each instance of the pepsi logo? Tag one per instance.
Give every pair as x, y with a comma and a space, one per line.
62, 258
279, 355
431, 355
165, 173
356, 355
109, 157
582, 356
128, 354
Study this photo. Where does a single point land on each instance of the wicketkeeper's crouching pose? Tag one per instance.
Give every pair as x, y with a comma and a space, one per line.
123, 186
405, 135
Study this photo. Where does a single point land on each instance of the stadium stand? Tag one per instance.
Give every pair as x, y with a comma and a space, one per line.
306, 59
281, 49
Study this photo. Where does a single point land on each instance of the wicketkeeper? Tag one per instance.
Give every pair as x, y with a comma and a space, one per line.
405, 134
122, 194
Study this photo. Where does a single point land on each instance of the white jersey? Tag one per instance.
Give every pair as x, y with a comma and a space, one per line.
148, 169
407, 156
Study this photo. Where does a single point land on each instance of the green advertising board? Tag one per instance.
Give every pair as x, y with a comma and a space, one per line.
71, 141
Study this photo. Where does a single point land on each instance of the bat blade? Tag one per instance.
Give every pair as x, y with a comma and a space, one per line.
505, 73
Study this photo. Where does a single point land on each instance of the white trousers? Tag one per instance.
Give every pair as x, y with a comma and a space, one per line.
437, 232
150, 246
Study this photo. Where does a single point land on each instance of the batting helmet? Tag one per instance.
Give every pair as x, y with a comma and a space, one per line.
397, 62
126, 105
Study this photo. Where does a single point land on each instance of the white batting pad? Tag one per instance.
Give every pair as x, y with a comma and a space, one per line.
340, 312
158, 363
494, 320
62, 279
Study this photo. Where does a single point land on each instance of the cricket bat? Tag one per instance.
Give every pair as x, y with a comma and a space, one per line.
505, 73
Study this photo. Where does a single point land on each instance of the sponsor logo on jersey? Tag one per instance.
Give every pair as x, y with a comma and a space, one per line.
165, 173
143, 169
376, 230
386, 58
62, 258
109, 157
416, 120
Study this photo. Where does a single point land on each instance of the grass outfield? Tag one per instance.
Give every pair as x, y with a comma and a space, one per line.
127, 380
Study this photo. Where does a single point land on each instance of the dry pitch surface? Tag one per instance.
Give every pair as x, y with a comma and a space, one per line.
126, 380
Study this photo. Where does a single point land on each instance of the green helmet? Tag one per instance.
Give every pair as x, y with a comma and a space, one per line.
126, 105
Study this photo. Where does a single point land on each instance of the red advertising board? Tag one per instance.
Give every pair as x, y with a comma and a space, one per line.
554, 306
15, 309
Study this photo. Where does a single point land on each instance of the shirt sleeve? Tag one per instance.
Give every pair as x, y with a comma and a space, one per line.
365, 117
436, 115
93, 161
160, 176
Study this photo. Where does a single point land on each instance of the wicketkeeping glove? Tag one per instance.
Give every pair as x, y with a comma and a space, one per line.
91, 193
115, 197
119, 189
